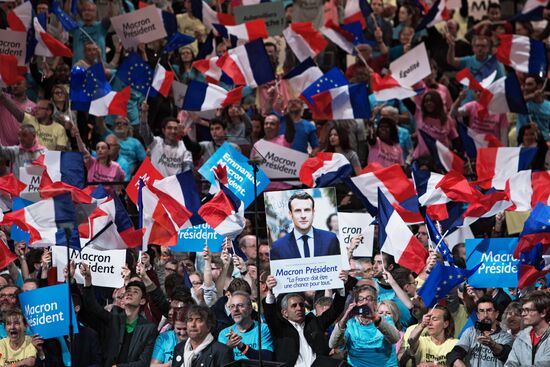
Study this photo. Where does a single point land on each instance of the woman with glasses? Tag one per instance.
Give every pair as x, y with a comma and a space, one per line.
369, 339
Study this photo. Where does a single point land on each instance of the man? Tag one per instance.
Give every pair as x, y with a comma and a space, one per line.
537, 106
248, 246
126, 336
9, 122
26, 152
218, 131
304, 241
201, 349
305, 132
242, 337
422, 235
17, 349
130, 148
299, 338
532, 345
482, 348
89, 27
114, 153
169, 155
50, 134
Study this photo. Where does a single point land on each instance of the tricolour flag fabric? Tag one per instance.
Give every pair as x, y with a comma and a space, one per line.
496, 165
466, 78
20, 18
434, 188
47, 45
357, 11
445, 158
523, 54
535, 230
504, 95
248, 31
162, 81
208, 97
325, 169
526, 189
224, 213
341, 103
532, 10
339, 36
147, 173
437, 13
331, 79
6, 256
9, 72
396, 239
11, 185
386, 88
182, 188
114, 103
472, 141
303, 75
204, 13
67, 167
486, 206
304, 40
248, 64
211, 71
534, 264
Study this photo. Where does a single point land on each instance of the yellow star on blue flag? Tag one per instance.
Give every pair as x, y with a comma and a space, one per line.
134, 71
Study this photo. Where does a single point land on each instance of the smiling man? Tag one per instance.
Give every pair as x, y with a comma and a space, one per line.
17, 349
304, 240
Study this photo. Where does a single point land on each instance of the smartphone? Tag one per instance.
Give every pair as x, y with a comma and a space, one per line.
361, 311
483, 326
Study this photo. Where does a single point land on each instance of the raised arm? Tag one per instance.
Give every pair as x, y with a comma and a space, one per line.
144, 129
11, 107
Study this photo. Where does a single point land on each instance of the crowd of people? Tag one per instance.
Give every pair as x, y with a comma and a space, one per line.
209, 309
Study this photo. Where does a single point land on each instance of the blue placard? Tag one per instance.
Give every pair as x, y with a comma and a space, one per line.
46, 311
193, 239
499, 268
239, 173
17, 234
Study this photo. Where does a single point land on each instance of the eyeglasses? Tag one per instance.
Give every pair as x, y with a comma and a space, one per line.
11, 295
367, 298
196, 283
422, 233
528, 310
415, 282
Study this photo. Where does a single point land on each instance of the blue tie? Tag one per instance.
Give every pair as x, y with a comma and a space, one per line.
306, 246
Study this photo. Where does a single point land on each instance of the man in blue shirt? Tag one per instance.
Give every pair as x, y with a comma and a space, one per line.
537, 105
242, 337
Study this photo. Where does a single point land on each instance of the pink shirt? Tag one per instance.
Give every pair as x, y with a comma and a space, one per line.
491, 124
10, 126
441, 89
385, 154
431, 126
98, 172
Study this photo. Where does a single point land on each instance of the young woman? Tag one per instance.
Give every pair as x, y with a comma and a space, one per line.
389, 308
166, 341
239, 125
338, 142
183, 65
384, 147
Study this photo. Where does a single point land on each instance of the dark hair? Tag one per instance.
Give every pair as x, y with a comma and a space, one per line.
439, 111
394, 134
493, 5
171, 283
182, 294
301, 195
32, 280
205, 313
401, 276
413, 11
11, 312
329, 218
362, 288
486, 299
166, 120
537, 78
526, 25
218, 121
323, 302
343, 137
239, 284
523, 129
180, 314
138, 284
449, 330
541, 301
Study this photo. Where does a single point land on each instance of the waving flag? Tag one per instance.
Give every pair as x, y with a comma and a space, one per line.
9, 73
339, 36
438, 242
6, 256
466, 78
304, 40
445, 158
65, 19
534, 264
208, 97
341, 103
162, 81
496, 165
114, 103
176, 41
303, 75
325, 169
211, 71
434, 188
487, 205
532, 10
248, 31
357, 11
523, 54
248, 64
535, 230
386, 88
11, 185
396, 187
183, 189
47, 45
204, 13
526, 189
67, 167
20, 18
331, 79
437, 13
147, 173
504, 95
472, 141
87, 85
396, 239
136, 72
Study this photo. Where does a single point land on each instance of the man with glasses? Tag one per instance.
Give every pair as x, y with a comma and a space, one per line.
485, 344
532, 345
242, 337
8, 301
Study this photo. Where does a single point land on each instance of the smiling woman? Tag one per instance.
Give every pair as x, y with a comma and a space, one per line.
17, 347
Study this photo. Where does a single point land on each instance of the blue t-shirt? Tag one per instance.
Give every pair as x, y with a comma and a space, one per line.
306, 132
164, 346
133, 151
97, 32
249, 338
539, 114
367, 346
475, 65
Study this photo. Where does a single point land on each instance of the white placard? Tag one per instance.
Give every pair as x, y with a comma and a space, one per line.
478, 8
178, 90
140, 26
354, 224
105, 266
280, 162
412, 67
14, 43
31, 176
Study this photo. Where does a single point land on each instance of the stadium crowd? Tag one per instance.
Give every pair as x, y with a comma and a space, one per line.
201, 309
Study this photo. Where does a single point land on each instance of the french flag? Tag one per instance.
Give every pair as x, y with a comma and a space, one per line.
386, 88
466, 78
211, 71
325, 169
47, 45
437, 13
11, 185
162, 81
209, 17
445, 158
495, 166
396, 239
523, 54
339, 36
486, 206
357, 11
532, 10
526, 189
224, 212
248, 31
6, 256
534, 264
395, 185
67, 167
341, 103
472, 141
208, 97
41, 220
248, 64
113, 103
504, 95
9, 73
434, 188
20, 18
535, 230
304, 40
183, 189
303, 75
147, 173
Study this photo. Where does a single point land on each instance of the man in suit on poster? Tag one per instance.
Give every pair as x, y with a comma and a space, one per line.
304, 240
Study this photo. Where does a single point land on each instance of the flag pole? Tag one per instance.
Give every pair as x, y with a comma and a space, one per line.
155, 71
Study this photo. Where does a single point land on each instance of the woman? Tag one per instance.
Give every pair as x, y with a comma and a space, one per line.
197, 280
100, 168
257, 131
432, 119
183, 66
338, 142
529, 136
408, 17
511, 319
432, 349
389, 308
368, 338
384, 148
239, 126
166, 341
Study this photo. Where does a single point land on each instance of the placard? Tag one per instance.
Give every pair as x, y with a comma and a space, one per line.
412, 67
14, 43
356, 224
194, 238
31, 176
141, 26
499, 268
478, 8
272, 12
279, 161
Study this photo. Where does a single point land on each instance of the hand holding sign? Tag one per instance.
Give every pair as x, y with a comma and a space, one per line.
271, 282
85, 272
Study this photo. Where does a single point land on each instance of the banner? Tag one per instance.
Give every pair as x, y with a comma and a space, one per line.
31, 175
279, 161
478, 8
140, 26
299, 267
412, 67
14, 43
499, 268
47, 311
194, 238
272, 12
239, 173
105, 266
356, 224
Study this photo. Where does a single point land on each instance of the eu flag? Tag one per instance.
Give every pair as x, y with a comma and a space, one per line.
87, 85
66, 21
331, 79
176, 41
438, 242
136, 72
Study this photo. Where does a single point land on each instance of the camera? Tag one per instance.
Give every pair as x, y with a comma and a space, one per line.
483, 326
363, 310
